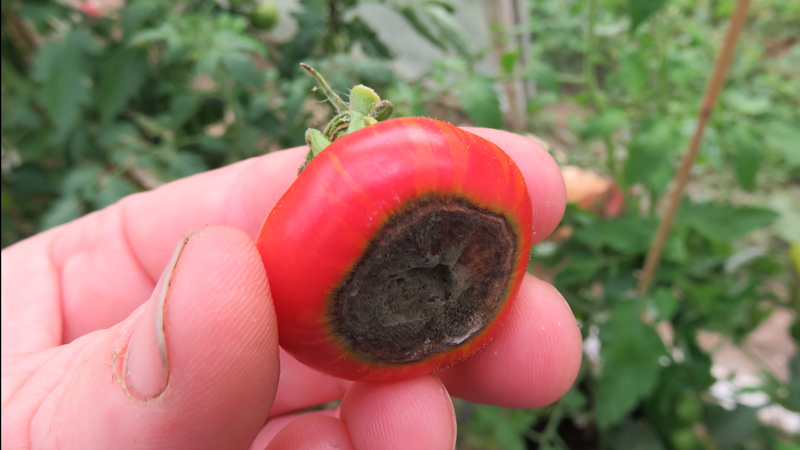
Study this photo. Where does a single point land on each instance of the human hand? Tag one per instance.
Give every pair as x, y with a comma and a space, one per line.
89, 362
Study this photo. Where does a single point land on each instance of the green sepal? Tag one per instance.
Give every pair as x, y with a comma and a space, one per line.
363, 100
333, 97
365, 108
316, 142
357, 122
382, 110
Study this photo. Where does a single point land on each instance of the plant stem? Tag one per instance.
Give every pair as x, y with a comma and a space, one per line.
590, 80
332, 96
713, 89
588, 63
551, 428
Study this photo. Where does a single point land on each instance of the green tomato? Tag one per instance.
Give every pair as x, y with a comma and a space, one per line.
794, 255
684, 439
689, 409
264, 15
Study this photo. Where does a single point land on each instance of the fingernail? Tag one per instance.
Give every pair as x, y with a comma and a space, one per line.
146, 363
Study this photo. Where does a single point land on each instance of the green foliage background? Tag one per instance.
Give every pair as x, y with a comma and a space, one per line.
97, 108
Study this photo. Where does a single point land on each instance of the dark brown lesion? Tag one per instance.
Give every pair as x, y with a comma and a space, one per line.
433, 276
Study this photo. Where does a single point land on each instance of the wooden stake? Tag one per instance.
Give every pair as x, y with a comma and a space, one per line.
738, 19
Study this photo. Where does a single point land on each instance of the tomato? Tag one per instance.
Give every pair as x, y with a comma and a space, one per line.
684, 439
689, 409
397, 251
264, 15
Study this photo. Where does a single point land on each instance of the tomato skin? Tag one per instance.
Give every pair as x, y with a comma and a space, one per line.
321, 226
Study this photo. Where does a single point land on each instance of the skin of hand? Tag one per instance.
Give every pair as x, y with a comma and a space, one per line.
113, 337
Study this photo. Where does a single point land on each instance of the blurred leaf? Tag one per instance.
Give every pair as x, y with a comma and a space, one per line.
722, 221
363, 33
241, 68
63, 67
628, 234
186, 164
604, 123
228, 42
449, 29
747, 156
640, 10
634, 73
121, 76
182, 108
729, 429
80, 179
574, 400
294, 99
134, 14
781, 445
508, 437
508, 60
784, 138
545, 76
792, 400
665, 303
312, 22
410, 14
742, 102
63, 210
119, 134
581, 268
794, 257
481, 102
111, 190
630, 351
633, 435
649, 154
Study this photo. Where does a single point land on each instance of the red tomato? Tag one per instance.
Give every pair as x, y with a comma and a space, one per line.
398, 251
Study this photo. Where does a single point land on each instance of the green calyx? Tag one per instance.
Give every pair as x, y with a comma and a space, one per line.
365, 108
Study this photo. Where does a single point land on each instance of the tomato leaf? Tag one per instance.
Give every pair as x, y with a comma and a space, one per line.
81, 179
61, 211
111, 190
747, 156
604, 123
630, 352
640, 10
134, 14
414, 19
634, 435
121, 77
449, 30
481, 102
630, 234
729, 429
722, 221
792, 400
63, 68
372, 45
649, 154
785, 139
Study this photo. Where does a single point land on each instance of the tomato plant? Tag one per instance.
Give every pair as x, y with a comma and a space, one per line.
399, 247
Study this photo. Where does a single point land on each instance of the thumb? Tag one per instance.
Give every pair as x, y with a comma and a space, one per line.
195, 367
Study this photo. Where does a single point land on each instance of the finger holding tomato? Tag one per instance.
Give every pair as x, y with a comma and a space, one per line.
107, 325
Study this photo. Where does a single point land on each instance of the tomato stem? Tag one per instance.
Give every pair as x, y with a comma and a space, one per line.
364, 109
334, 98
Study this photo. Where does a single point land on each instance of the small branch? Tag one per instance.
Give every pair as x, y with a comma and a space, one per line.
26, 40
715, 83
551, 429
588, 64
500, 16
590, 80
